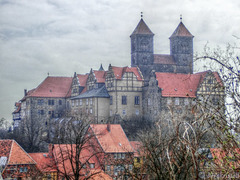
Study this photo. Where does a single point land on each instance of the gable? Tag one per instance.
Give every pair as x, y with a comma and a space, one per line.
14, 153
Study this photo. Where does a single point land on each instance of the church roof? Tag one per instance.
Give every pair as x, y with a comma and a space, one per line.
181, 30
163, 59
142, 28
96, 92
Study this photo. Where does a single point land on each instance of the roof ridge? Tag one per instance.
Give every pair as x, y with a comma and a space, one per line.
10, 151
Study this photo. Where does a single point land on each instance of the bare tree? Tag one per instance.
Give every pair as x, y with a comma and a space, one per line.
76, 154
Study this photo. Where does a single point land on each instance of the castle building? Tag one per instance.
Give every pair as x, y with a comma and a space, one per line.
155, 86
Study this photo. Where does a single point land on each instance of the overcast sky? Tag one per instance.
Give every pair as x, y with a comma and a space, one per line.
61, 37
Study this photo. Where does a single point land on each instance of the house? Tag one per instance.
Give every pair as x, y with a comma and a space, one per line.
15, 162
170, 95
117, 151
76, 160
46, 165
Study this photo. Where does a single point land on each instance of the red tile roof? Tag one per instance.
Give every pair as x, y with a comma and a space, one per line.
112, 140
163, 59
14, 153
120, 71
82, 79
100, 176
18, 106
142, 28
100, 76
53, 87
65, 153
178, 85
181, 30
136, 147
45, 163
226, 158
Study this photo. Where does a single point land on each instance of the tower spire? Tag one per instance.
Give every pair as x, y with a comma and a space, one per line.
180, 17
141, 15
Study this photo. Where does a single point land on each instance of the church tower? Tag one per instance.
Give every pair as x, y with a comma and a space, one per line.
142, 45
181, 48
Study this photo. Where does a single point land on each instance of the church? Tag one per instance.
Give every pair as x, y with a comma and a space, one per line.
156, 86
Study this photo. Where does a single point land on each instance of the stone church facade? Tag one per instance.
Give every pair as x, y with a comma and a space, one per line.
156, 86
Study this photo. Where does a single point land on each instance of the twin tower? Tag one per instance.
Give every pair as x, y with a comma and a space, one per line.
180, 59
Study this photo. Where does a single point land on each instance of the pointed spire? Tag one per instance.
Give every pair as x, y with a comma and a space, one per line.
181, 30
101, 68
75, 74
142, 28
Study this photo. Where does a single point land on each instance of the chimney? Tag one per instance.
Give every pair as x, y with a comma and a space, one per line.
50, 150
108, 127
25, 92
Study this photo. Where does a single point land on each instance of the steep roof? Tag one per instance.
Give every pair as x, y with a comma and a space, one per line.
163, 59
111, 138
14, 153
96, 92
45, 163
120, 71
181, 30
100, 76
82, 79
142, 28
65, 155
178, 85
53, 87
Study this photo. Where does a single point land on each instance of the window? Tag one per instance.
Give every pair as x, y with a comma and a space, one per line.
41, 112
111, 100
115, 156
86, 101
108, 168
80, 102
92, 165
40, 101
72, 103
124, 112
77, 102
110, 112
124, 100
60, 102
87, 110
149, 101
123, 156
91, 101
169, 101
91, 111
137, 100
130, 167
186, 102
119, 156
137, 112
51, 102
176, 101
